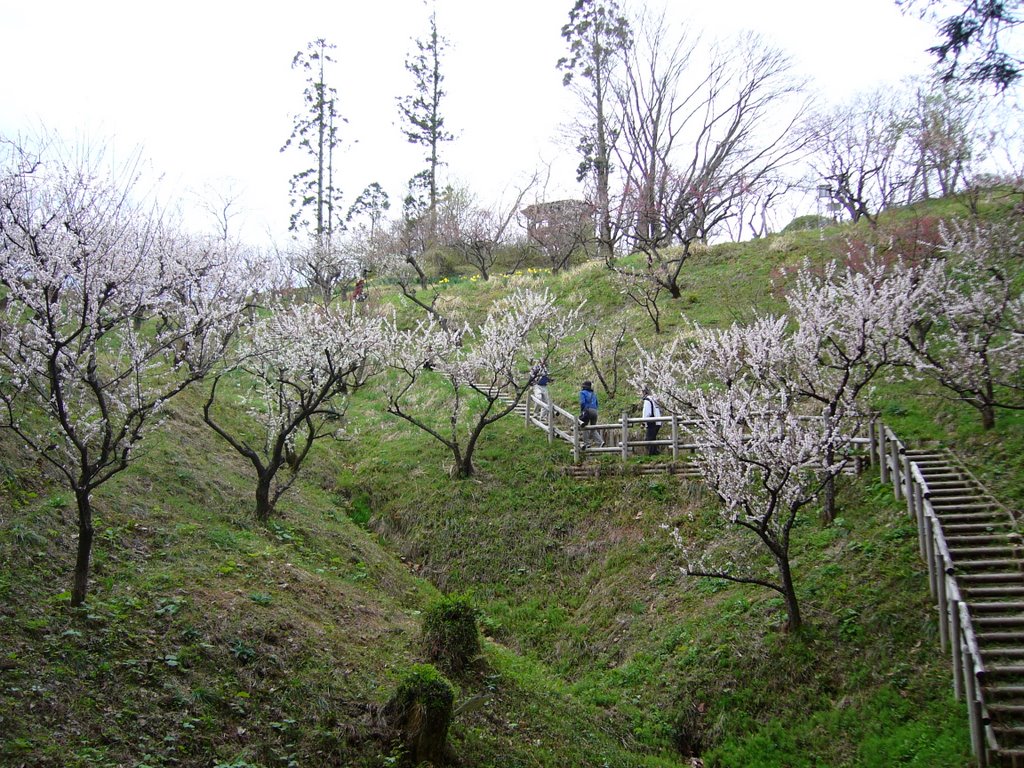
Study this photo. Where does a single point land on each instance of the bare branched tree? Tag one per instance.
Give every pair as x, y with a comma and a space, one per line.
722, 130
858, 150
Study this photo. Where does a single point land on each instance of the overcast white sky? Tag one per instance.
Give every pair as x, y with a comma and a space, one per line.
205, 88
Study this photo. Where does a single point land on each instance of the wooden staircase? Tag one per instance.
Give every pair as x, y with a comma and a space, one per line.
982, 555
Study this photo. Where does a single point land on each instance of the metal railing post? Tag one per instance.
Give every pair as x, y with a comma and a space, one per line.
907, 480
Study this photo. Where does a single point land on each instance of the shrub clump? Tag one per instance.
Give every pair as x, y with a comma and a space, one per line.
450, 633
810, 221
421, 713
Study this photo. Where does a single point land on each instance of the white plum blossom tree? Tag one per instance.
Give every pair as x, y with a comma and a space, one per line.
108, 313
294, 369
849, 326
450, 382
755, 449
764, 460
972, 338
773, 405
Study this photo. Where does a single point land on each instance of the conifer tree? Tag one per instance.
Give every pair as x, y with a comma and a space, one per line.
315, 198
421, 111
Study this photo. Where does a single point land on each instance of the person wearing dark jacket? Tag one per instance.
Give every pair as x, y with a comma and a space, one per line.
588, 414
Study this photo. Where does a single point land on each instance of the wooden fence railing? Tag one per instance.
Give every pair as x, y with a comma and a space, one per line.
622, 438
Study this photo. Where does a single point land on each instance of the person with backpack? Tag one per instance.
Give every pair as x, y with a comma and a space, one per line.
588, 414
651, 412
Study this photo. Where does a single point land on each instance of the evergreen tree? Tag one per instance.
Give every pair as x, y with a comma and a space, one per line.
597, 34
316, 133
421, 111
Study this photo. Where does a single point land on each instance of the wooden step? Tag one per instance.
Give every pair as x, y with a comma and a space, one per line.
1015, 709
959, 515
968, 551
994, 591
994, 527
982, 565
1002, 653
1014, 605
951, 506
990, 578
1005, 690
1010, 536
1000, 637
999, 621
1003, 670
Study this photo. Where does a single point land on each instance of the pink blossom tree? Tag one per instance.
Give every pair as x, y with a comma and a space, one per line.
109, 313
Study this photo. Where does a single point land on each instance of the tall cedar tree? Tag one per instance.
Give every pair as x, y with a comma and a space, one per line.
421, 111
596, 34
316, 133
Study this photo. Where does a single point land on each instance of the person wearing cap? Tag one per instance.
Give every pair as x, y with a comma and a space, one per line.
588, 414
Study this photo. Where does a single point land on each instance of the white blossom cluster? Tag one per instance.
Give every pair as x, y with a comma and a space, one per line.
970, 336
772, 405
300, 359
476, 366
107, 311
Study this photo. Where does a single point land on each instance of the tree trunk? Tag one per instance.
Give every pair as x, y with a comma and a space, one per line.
264, 503
420, 274
789, 593
464, 466
988, 416
85, 534
828, 504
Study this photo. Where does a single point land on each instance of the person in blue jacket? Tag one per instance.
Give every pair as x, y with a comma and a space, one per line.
588, 414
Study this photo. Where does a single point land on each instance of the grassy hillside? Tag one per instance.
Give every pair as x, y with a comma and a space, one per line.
208, 640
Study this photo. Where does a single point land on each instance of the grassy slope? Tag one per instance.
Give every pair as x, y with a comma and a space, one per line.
208, 638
